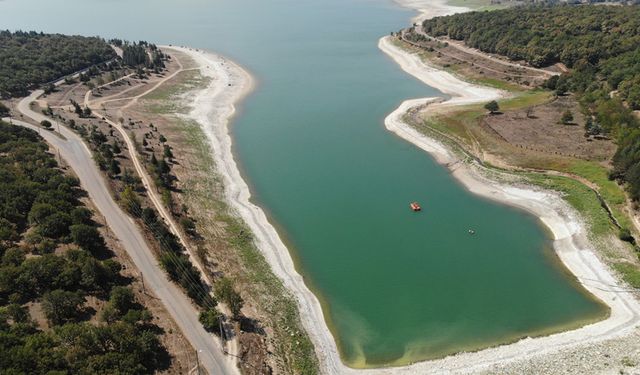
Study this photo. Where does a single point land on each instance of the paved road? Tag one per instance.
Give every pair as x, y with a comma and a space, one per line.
79, 158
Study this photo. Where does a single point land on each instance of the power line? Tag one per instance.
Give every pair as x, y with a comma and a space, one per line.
173, 257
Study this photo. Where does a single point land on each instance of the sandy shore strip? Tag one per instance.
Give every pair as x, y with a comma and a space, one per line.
430, 8
213, 107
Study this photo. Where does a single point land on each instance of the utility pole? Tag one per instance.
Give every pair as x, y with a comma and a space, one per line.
143, 290
197, 363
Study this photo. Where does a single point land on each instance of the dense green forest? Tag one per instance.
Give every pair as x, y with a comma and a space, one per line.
30, 58
600, 45
54, 260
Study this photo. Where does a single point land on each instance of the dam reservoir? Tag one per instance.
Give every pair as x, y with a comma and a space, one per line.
396, 286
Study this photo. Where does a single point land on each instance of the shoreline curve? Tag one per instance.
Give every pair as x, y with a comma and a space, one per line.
212, 108
570, 242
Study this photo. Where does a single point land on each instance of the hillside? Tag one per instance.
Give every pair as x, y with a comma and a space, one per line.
599, 44
65, 306
31, 58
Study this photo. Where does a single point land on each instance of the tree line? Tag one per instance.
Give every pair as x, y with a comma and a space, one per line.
53, 256
600, 45
28, 59
141, 54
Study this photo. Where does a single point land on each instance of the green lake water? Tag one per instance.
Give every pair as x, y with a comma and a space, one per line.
396, 286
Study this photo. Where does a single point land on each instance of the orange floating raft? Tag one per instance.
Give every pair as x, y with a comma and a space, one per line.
415, 206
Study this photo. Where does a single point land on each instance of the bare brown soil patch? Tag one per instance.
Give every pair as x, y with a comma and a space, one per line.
253, 354
540, 129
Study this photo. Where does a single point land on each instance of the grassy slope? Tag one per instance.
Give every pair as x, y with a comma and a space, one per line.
204, 196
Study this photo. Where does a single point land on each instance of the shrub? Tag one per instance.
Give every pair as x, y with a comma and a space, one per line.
625, 235
567, 117
492, 107
211, 319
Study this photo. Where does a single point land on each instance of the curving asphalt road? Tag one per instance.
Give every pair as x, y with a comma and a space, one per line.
77, 155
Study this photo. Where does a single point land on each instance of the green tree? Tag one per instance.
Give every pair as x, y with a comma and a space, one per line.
8, 231
81, 215
37, 197
13, 257
61, 306
121, 300
625, 235
88, 238
48, 88
567, 117
130, 200
114, 167
45, 124
167, 152
55, 225
211, 320
17, 313
492, 107
188, 225
4, 110
77, 108
163, 167
225, 292
40, 211
167, 199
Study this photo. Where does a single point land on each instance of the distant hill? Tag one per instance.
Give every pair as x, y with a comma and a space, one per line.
28, 59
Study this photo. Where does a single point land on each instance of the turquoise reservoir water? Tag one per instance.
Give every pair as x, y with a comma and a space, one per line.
396, 286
